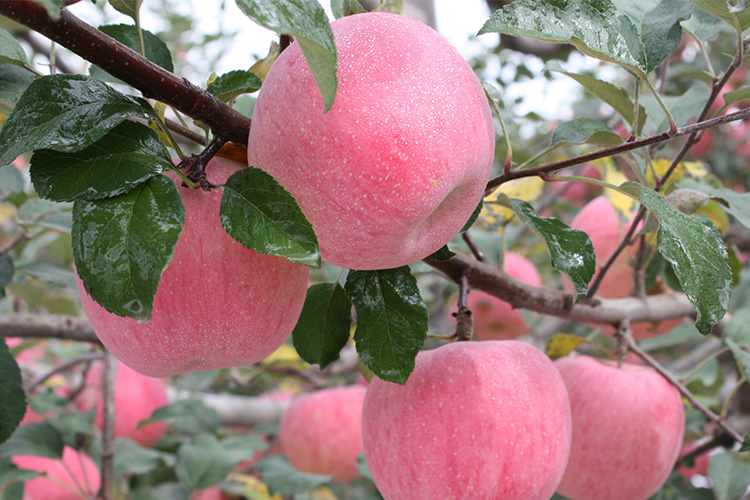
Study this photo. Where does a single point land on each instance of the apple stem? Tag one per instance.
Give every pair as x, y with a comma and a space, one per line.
195, 165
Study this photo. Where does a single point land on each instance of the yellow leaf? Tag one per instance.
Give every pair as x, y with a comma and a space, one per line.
262, 67
284, 355
255, 489
527, 189
612, 175
323, 493
718, 216
563, 344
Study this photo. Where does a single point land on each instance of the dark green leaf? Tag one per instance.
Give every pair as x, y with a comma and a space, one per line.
694, 247
660, 30
13, 82
259, 213
746, 443
11, 180
65, 113
155, 49
128, 7
739, 18
571, 250
343, 8
283, 479
12, 395
122, 244
190, 416
584, 131
131, 458
41, 440
10, 50
6, 272
391, 320
611, 94
443, 254
308, 24
730, 477
474, 216
207, 461
127, 156
233, 84
323, 326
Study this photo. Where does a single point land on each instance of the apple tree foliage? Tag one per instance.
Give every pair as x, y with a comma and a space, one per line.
98, 144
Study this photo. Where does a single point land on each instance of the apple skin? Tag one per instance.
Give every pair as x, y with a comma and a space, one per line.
218, 305
493, 318
321, 432
136, 398
475, 421
396, 167
628, 426
76, 470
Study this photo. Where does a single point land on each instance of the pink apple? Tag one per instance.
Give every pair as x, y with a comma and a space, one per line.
475, 421
495, 319
579, 192
73, 478
628, 425
218, 305
700, 463
396, 167
212, 493
136, 398
321, 432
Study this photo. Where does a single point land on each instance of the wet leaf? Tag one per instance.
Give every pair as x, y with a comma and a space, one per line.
155, 50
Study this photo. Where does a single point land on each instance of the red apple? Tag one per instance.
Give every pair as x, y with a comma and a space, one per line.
218, 305
73, 478
136, 398
578, 192
396, 167
495, 319
628, 425
321, 432
475, 421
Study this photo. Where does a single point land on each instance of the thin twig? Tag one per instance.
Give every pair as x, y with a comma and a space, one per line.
107, 491
86, 358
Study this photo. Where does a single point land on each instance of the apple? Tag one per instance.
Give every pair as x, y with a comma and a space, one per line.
475, 421
74, 477
578, 192
136, 398
628, 426
321, 432
219, 304
700, 463
395, 168
493, 318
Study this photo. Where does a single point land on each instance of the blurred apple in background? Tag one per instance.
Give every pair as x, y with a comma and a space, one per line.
74, 477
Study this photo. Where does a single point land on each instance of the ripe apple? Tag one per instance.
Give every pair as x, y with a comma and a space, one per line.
218, 305
628, 425
475, 421
579, 192
321, 432
495, 319
136, 398
74, 477
396, 167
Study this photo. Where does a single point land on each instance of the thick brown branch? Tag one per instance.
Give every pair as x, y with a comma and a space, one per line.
152, 80
46, 326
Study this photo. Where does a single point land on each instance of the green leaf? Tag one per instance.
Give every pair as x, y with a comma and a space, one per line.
343, 8
702, 24
132, 459
190, 416
48, 272
283, 479
584, 131
740, 355
694, 248
611, 94
746, 443
442, 255
737, 329
571, 250
65, 113
53, 7
12, 395
231, 85
11, 181
308, 24
6, 272
126, 157
13, 82
41, 440
738, 16
597, 28
121, 245
736, 204
683, 107
391, 320
207, 461
259, 213
128, 7
10, 50
730, 477
474, 216
738, 95
323, 326
155, 49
